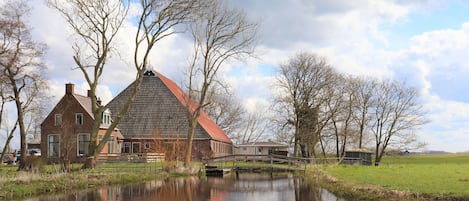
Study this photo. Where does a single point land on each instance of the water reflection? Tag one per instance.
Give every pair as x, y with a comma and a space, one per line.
243, 187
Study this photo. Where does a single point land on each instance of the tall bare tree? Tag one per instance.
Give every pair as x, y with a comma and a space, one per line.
20, 62
304, 83
96, 24
219, 34
364, 97
5, 98
397, 112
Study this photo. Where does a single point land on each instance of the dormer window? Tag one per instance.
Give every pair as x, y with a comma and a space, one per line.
79, 119
106, 120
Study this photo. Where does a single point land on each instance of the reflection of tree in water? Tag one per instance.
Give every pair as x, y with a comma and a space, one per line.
169, 189
306, 189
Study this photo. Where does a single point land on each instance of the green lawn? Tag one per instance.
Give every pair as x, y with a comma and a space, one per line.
441, 175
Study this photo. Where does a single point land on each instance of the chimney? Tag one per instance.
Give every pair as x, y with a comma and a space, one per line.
70, 88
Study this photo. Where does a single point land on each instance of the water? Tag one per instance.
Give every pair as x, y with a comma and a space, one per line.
245, 187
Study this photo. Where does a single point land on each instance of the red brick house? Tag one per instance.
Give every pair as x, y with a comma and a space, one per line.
65, 132
157, 122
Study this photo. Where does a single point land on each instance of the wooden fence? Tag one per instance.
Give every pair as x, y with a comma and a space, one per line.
136, 157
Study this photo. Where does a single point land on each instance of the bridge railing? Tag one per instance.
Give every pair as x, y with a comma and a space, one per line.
273, 160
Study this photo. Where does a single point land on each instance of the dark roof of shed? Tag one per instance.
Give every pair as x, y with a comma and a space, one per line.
158, 111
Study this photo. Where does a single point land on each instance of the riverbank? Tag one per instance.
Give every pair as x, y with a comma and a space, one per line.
16, 185
415, 177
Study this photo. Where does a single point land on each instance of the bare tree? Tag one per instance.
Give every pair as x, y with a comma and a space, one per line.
226, 110
341, 107
96, 23
5, 98
219, 34
20, 62
364, 97
304, 84
397, 112
253, 127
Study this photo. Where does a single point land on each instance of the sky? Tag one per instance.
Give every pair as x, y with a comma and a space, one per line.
422, 42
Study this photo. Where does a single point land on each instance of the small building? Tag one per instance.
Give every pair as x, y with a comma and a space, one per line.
261, 148
66, 131
357, 156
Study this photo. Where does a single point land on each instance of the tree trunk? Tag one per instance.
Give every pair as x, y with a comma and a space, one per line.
190, 137
90, 163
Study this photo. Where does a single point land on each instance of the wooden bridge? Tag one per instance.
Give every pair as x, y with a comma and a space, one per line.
254, 163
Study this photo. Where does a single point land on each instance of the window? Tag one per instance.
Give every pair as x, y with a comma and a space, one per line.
136, 147
79, 119
126, 148
106, 120
147, 145
83, 144
110, 145
58, 120
53, 146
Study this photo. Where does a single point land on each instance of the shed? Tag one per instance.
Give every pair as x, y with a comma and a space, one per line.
357, 156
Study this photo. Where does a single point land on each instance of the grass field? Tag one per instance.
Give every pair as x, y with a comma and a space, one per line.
437, 175
16, 185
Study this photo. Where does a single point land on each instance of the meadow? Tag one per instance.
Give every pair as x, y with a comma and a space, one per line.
440, 176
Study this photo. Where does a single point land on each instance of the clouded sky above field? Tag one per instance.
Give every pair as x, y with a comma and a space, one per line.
423, 42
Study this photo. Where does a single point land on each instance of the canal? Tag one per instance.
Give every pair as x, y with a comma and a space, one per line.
244, 187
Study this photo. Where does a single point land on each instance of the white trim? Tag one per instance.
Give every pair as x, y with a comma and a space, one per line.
78, 142
76, 119
48, 146
55, 120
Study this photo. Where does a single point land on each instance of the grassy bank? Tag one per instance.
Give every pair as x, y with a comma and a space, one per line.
418, 177
16, 185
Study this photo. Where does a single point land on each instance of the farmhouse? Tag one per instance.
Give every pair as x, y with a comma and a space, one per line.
65, 132
157, 122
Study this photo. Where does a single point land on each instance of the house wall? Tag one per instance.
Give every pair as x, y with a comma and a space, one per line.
67, 131
258, 150
175, 149
117, 143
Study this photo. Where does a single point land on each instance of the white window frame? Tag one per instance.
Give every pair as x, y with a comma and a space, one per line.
78, 142
79, 121
110, 145
49, 153
127, 145
139, 147
106, 118
58, 120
